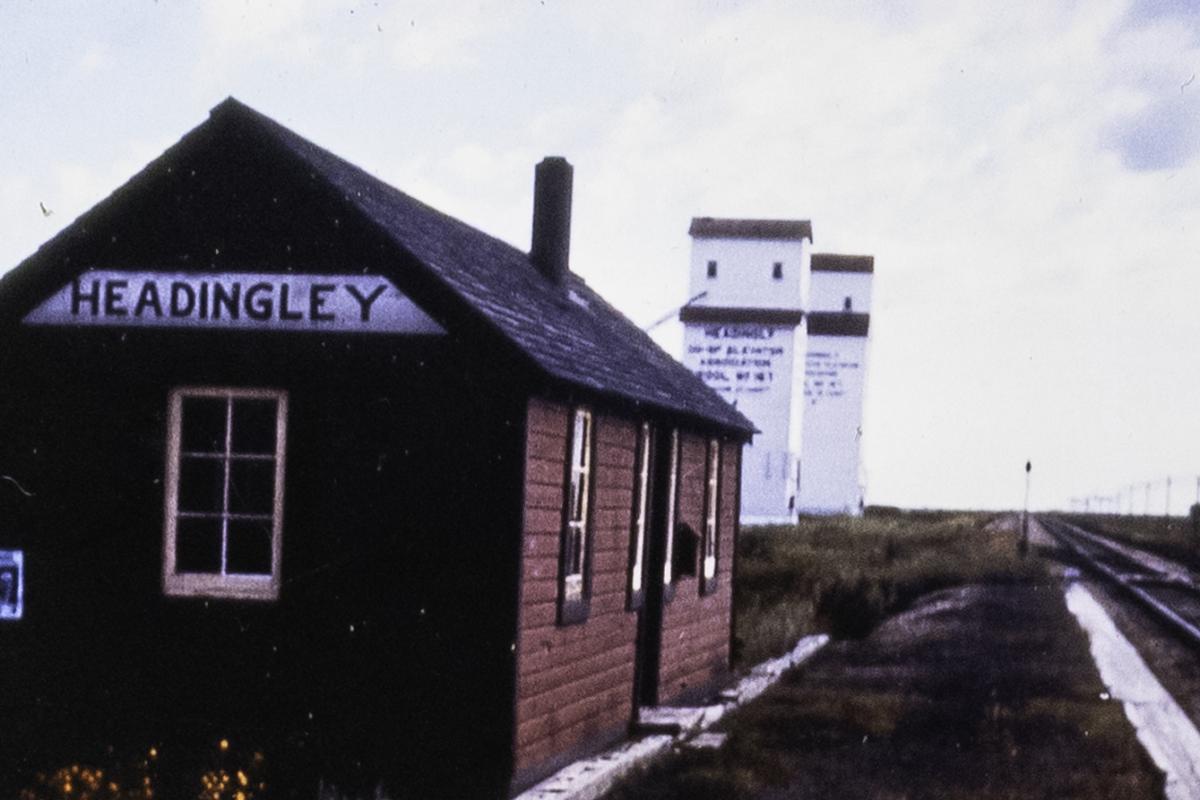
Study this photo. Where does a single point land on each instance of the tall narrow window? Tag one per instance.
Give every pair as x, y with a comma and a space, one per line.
712, 269
712, 491
224, 492
640, 516
672, 497
573, 589
777, 271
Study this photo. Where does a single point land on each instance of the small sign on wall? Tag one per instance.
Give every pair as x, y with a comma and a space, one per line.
12, 584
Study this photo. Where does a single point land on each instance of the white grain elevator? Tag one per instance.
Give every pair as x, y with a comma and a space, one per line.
782, 333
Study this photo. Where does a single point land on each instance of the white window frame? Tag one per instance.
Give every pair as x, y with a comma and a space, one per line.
641, 507
575, 527
711, 503
672, 502
220, 584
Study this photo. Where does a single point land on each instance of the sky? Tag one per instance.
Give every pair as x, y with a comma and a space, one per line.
1026, 175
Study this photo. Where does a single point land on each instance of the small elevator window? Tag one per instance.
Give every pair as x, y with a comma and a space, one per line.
848, 305
777, 271
712, 269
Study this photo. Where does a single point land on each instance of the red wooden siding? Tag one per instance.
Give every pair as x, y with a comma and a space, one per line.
695, 639
575, 682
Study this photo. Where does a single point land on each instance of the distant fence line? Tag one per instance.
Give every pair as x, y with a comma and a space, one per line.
1167, 496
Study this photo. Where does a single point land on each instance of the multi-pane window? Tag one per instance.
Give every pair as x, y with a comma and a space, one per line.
641, 513
575, 527
777, 270
224, 492
712, 269
671, 501
711, 495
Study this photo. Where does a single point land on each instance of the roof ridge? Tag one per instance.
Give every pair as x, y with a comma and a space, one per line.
231, 105
573, 347
748, 228
526, 310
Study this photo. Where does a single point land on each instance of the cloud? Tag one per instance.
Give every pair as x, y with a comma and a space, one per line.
1166, 135
1152, 97
97, 57
246, 22
432, 37
357, 35
1026, 177
1148, 11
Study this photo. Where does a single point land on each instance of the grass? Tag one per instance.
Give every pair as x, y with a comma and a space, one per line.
1170, 537
984, 689
844, 575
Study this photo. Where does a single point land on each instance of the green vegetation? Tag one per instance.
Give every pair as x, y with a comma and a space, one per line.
1170, 537
844, 575
975, 682
929, 708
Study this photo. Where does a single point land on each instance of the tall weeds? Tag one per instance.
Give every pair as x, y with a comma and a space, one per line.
843, 575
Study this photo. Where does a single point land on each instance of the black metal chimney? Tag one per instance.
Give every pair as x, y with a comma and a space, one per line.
550, 250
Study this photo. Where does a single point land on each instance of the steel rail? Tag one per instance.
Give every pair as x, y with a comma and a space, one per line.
1068, 534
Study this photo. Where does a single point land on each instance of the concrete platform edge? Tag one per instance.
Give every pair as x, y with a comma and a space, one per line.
1170, 738
590, 778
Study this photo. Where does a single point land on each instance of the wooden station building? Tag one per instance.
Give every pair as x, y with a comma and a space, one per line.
291, 460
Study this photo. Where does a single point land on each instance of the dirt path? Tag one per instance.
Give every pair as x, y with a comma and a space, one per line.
980, 692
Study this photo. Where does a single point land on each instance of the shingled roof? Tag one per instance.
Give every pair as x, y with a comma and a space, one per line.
836, 262
566, 330
720, 228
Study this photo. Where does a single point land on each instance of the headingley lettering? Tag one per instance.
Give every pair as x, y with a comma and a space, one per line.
215, 300
369, 304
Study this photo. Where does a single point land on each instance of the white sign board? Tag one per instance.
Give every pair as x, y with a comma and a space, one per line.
235, 300
826, 375
12, 584
738, 359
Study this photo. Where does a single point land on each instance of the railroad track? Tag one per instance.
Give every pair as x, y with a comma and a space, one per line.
1169, 591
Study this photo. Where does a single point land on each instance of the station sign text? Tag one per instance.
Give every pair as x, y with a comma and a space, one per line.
362, 303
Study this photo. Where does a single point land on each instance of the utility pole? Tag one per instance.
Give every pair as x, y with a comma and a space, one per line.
1194, 511
1023, 544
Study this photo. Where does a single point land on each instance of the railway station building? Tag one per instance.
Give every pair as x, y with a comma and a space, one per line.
296, 462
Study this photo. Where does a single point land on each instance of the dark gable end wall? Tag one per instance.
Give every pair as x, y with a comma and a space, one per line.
406, 490
390, 647
215, 200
